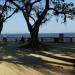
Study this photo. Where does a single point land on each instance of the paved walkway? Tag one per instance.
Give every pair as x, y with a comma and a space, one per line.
12, 69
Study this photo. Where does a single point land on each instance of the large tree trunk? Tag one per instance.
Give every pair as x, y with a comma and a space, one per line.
34, 38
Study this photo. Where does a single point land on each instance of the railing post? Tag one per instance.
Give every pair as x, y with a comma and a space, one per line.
71, 40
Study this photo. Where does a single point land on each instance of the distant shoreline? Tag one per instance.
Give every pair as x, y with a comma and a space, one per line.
40, 35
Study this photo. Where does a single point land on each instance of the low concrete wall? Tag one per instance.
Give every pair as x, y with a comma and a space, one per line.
43, 39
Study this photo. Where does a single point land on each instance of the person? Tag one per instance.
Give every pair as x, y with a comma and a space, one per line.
22, 39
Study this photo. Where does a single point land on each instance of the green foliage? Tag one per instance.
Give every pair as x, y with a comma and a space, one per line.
67, 10
6, 11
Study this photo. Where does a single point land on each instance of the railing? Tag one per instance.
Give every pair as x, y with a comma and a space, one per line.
42, 39
57, 39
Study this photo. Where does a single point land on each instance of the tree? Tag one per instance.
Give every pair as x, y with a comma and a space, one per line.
37, 10
35, 13
5, 8
32, 11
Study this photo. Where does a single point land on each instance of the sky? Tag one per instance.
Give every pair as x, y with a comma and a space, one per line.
16, 24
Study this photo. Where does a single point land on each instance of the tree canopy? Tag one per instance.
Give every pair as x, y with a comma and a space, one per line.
5, 12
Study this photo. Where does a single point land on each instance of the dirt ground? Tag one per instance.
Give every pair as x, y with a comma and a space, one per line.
58, 59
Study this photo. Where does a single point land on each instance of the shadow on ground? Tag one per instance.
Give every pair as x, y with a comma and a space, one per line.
37, 61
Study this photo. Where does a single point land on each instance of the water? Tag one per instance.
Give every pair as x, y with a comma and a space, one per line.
27, 35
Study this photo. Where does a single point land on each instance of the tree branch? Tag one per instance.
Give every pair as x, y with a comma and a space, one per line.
10, 15
27, 20
15, 4
42, 16
26, 15
36, 1
32, 18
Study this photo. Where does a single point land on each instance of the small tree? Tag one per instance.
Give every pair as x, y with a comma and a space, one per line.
5, 8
